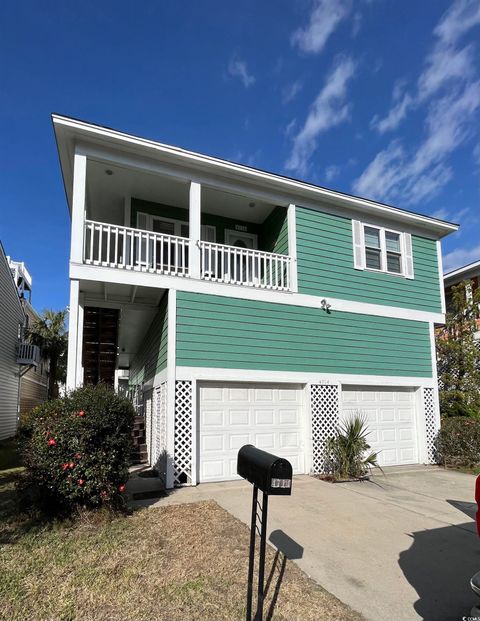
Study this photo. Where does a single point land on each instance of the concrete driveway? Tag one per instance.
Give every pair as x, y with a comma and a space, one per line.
402, 546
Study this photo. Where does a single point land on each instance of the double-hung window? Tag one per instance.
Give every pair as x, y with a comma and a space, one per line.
382, 250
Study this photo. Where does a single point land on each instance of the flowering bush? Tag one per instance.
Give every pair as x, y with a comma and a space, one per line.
76, 451
459, 441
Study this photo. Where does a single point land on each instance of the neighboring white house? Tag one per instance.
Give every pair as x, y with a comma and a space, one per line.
33, 377
242, 307
17, 358
11, 321
469, 273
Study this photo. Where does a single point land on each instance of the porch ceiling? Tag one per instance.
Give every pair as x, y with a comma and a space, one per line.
138, 306
106, 195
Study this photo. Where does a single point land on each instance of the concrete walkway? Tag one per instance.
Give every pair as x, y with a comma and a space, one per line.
402, 546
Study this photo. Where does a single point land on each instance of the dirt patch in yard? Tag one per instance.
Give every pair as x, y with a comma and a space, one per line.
177, 562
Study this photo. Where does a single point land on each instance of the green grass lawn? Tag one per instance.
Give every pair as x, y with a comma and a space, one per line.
177, 562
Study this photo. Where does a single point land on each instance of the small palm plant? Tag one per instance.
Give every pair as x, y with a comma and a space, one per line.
347, 453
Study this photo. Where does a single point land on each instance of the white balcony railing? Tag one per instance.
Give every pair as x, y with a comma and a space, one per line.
242, 266
110, 245
28, 354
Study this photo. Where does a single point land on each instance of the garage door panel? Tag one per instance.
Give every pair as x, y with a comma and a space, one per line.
238, 418
236, 441
238, 394
212, 418
211, 443
390, 421
386, 415
288, 395
264, 417
268, 416
406, 415
263, 394
288, 417
265, 441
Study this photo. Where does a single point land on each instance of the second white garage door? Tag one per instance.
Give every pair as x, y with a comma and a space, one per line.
390, 416
231, 415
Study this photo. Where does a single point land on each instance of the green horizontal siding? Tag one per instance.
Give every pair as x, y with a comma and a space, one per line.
272, 233
152, 354
274, 236
220, 223
215, 331
325, 266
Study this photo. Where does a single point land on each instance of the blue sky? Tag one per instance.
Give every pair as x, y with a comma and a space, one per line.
374, 97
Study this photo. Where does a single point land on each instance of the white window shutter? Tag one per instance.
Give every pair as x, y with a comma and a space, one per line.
408, 258
358, 245
142, 221
208, 233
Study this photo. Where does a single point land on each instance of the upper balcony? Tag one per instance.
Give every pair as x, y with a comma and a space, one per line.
158, 225
110, 245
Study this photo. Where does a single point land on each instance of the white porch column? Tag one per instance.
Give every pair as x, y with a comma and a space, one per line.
78, 207
171, 377
194, 228
73, 354
292, 247
79, 367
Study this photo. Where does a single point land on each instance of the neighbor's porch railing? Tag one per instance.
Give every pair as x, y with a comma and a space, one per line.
242, 266
110, 245
28, 354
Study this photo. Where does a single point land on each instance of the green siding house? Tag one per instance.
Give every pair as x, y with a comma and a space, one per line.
237, 306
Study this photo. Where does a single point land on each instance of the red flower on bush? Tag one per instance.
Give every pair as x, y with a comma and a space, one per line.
77, 455
81, 482
121, 488
51, 442
81, 413
64, 466
103, 493
71, 465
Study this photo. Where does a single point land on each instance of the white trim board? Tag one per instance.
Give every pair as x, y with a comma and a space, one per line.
291, 377
440, 276
65, 126
142, 279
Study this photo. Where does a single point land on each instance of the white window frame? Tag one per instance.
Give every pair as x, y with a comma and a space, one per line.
211, 230
360, 254
383, 249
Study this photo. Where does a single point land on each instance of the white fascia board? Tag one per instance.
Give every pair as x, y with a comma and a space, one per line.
461, 271
214, 374
184, 157
141, 279
440, 276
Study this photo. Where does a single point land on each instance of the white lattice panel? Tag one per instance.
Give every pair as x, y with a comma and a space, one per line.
183, 433
432, 424
148, 422
159, 429
324, 404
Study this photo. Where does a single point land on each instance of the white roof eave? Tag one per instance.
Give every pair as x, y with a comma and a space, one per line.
67, 128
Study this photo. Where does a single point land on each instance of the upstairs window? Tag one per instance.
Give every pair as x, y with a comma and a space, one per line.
382, 250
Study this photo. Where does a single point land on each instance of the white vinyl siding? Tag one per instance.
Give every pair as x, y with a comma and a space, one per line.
11, 316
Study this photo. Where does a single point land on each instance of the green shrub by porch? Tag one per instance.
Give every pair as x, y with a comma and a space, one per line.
76, 451
459, 441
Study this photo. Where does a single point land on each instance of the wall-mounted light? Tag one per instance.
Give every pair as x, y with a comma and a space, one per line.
325, 305
252, 204
109, 172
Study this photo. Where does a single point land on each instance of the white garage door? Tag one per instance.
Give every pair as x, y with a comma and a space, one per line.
390, 415
266, 415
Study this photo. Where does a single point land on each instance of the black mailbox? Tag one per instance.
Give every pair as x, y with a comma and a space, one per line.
271, 474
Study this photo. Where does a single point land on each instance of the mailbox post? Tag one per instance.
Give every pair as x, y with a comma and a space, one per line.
273, 476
